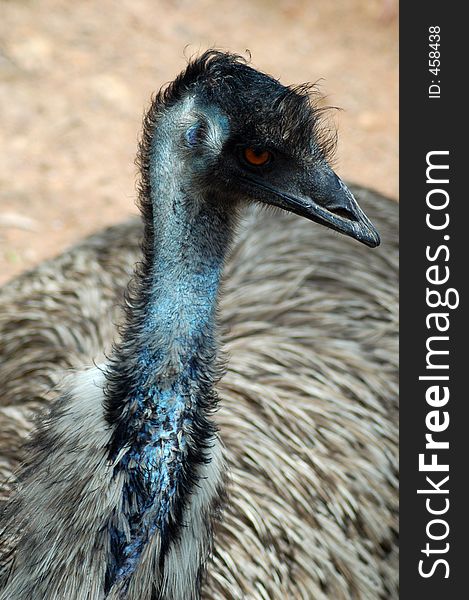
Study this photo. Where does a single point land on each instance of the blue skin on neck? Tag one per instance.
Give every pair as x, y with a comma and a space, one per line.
178, 324
152, 465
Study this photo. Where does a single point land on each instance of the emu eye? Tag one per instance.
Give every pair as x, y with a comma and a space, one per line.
257, 157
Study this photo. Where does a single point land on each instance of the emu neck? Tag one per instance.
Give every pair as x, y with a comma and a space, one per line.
187, 237
184, 282
160, 388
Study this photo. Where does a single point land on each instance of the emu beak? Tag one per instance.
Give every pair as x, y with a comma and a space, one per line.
330, 203
334, 205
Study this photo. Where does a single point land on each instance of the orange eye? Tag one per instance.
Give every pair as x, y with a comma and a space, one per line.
257, 157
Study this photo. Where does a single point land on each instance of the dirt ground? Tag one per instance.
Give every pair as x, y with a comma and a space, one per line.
76, 76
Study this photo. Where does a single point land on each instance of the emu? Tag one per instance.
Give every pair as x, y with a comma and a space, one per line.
122, 484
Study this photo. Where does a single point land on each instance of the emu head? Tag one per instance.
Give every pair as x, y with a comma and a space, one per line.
242, 136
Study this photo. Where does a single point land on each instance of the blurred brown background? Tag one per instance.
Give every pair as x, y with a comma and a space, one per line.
76, 76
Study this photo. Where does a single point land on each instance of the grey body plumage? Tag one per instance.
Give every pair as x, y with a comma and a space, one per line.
132, 446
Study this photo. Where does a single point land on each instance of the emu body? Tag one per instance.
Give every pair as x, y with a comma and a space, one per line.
132, 446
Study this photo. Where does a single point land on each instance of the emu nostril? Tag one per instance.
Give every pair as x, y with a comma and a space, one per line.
343, 212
